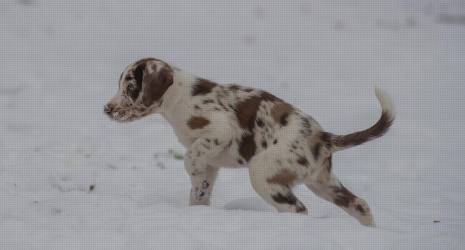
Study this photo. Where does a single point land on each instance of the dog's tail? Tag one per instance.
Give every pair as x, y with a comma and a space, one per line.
340, 142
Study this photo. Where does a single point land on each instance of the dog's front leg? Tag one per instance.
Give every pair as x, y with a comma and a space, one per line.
201, 173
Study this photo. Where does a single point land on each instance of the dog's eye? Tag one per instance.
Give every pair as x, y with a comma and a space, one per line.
131, 88
128, 78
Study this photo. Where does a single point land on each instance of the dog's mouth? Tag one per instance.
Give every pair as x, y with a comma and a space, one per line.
125, 114
122, 116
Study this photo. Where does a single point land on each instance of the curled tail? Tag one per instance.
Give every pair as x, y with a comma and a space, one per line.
340, 142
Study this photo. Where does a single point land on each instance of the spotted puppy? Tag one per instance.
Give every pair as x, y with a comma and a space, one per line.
235, 126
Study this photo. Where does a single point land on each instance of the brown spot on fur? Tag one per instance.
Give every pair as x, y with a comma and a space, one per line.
289, 198
269, 97
156, 85
329, 164
208, 101
361, 209
343, 197
247, 147
246, 111
306, 124
203, 87
316, 151
303, 161
280, 112
325, 137
222, 105
284, 177
197, 122
321, 145
138, 73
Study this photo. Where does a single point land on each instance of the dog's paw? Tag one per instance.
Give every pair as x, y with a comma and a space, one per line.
199, 197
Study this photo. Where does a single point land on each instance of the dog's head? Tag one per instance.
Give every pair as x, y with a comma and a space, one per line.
141, 89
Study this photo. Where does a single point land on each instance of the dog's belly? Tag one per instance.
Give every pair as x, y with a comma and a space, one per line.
226, 160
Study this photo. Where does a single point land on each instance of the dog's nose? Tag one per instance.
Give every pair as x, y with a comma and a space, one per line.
108, 109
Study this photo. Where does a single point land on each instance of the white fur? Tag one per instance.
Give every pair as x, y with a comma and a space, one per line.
386, 102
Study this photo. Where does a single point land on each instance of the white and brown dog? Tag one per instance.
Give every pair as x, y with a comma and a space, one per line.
234, 126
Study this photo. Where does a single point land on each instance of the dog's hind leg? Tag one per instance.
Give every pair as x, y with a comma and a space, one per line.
331, 189
274, 184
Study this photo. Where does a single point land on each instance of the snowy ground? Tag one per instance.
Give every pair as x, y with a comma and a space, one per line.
71, 179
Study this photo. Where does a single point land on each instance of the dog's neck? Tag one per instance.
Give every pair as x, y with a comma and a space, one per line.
177, 94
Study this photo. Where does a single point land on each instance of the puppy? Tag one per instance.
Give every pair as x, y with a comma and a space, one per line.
235, 126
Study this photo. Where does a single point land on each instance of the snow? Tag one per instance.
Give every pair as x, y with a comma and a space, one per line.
72, 179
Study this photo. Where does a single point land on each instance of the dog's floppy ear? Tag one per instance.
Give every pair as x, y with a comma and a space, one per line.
156, 84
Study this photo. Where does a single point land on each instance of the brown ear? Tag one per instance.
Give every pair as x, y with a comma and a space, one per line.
156, 85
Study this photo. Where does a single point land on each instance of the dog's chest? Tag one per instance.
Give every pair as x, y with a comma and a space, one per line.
177, 122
